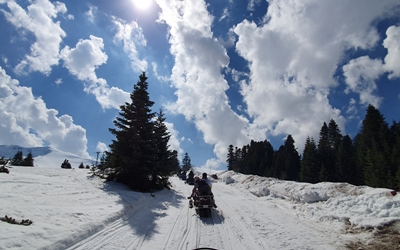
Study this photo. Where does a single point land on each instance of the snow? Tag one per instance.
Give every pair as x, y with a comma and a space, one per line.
71, 209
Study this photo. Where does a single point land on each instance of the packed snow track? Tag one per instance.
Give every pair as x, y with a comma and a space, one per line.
241, 221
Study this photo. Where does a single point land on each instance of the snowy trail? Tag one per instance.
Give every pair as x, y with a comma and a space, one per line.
261, 224
71, 209
235, 224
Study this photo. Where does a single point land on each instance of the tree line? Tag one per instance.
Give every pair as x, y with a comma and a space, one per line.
139, 156
372, 158
18, 159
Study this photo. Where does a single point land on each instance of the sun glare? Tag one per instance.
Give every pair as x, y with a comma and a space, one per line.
143, 4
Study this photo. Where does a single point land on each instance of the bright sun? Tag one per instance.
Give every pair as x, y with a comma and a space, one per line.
143, 4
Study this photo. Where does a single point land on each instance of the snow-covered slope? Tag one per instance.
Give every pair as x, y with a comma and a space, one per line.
45, 156
71, 209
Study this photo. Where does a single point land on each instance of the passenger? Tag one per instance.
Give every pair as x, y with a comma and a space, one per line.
196, 185
204, 187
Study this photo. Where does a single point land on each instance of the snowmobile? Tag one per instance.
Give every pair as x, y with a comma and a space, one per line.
203, 202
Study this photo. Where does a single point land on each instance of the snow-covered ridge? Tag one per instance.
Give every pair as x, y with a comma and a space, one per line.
8, 151
45, 156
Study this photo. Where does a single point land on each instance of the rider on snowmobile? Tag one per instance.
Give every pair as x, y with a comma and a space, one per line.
202, 187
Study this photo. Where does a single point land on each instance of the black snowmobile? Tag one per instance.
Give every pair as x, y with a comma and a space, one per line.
203, 201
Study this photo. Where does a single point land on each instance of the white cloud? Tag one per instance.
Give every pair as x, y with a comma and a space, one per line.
101, 147
253, 4
130, 34
38, 19
212, 164
197, 75
224, 15
352, 110
293, 56
27, 122
361, 74
91, 13
82, 61
174, 139
58, 81
154, 67
392, 44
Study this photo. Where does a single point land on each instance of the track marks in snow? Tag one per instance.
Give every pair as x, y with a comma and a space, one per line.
119, 231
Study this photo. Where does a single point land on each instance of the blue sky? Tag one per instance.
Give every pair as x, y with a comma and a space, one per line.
224, 72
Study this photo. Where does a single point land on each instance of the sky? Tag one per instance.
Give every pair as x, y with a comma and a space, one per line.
71, 209
224, 72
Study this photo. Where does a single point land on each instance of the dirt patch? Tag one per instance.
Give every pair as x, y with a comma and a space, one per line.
384, 238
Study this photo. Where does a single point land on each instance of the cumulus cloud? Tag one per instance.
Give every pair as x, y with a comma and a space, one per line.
26, 121
101, 147
392, 44
361, 74
38, 19
174, 139
292, 59
130, 35
293, 56
197, 75
82, 62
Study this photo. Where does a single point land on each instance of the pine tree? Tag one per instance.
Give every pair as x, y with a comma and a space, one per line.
292, 160
166, 158
18, 159
374, 170
394, 144
186, 165
237, 167
326, 155
28, 160
346, 161
133, 156
268, 158
230, 157
309, 164
372, 148
278, 167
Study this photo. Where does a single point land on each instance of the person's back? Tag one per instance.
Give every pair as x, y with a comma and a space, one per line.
203, 188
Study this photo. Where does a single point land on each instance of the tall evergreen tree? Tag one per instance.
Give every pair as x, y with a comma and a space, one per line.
278, 167
165, 164
18, 159
133, 156
334, 135
28, 160
395, 163
186, 165
374, 170
230, 157
346, 161
373, 148
309, 163
292, 160
268, 157
237, 167
326, 155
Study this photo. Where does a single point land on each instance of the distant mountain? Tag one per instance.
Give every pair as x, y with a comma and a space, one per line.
8, 151
45, 156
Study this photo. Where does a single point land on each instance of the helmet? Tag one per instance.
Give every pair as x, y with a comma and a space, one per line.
196, 179
204, 175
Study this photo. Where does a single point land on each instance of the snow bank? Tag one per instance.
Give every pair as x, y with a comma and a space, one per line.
362, 206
